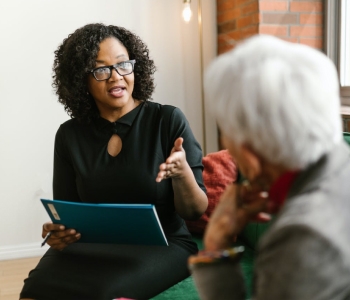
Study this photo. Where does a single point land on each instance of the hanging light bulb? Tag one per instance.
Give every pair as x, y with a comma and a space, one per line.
187, 12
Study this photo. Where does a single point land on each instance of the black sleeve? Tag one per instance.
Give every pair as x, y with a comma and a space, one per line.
64, 179
179, 127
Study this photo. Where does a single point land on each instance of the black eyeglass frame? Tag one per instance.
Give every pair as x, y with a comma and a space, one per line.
132, 61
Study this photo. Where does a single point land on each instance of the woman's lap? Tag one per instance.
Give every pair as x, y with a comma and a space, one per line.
90, 271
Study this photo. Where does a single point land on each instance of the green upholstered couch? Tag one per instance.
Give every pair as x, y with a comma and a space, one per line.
186, 290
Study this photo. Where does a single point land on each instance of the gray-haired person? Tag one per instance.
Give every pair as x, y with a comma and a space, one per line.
278, 107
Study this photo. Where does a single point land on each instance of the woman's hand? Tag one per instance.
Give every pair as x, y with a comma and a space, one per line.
60, 237
176, 164
238, 205
189, 199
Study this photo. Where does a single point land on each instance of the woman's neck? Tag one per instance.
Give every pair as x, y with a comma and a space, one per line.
115, 114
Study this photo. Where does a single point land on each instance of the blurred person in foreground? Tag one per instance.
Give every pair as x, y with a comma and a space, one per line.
278, 107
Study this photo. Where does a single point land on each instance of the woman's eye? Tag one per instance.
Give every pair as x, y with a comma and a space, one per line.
102, 70
126, 66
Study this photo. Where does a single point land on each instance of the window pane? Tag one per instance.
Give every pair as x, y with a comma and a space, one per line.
345, 44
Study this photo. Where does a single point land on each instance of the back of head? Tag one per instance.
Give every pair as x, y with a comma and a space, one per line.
280, 98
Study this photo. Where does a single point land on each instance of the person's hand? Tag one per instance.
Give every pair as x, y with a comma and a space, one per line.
175, 164
237, 206
60, 236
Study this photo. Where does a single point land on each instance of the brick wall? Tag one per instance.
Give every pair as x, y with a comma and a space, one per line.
295, 21
299, 21
237, 20
291, 20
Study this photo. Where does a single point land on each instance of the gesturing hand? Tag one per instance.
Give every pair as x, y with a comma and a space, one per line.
60, 237
175, 164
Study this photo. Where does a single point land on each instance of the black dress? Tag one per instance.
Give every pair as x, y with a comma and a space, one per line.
84, 171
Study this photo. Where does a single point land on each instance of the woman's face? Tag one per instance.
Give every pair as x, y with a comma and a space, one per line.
113, 97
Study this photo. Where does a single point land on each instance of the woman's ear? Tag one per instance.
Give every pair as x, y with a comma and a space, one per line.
250, 164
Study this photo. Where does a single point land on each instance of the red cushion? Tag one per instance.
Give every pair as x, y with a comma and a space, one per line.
219, 171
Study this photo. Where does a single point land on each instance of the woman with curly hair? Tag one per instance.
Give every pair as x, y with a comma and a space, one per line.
118, 147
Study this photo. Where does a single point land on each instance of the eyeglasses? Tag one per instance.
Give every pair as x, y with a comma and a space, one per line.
122, 68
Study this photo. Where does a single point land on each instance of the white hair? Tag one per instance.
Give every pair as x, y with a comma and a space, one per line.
280, 98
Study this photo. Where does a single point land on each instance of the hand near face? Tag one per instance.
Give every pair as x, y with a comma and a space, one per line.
175, 164
237, 206
60, 237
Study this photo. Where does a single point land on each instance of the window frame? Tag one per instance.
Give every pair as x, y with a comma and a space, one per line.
333, 41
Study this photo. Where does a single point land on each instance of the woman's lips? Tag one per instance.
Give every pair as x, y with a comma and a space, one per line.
117, 91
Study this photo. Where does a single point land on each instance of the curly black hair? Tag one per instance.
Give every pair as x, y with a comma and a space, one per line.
76, 56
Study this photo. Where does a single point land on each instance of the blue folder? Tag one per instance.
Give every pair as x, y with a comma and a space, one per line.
136, 224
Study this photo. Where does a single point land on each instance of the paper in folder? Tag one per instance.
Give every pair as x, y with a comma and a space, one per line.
136, 224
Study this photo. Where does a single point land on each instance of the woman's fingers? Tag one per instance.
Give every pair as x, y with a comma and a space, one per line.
234, 210
178, 144
162, 174
174, 163
49, 226
263, 217
60, 237
59, 240
167, 170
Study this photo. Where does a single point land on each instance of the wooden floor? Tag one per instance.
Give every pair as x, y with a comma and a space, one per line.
12, 274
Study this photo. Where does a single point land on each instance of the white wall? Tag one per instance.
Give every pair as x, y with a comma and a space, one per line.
29, 112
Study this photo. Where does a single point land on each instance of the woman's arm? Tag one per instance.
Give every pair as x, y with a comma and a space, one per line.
64, 188
183, 165
64, 178
189, 199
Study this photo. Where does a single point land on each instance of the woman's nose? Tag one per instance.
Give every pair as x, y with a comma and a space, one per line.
115, 75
